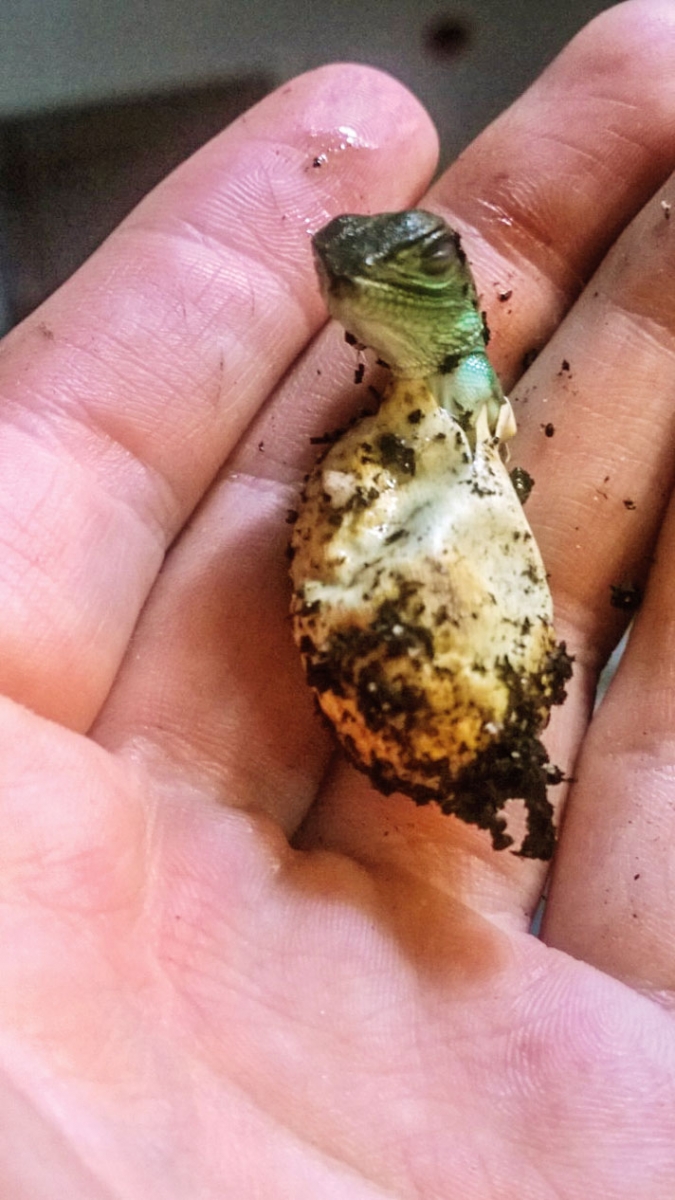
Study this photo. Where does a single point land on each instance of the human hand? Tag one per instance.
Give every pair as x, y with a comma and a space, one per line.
189, 1007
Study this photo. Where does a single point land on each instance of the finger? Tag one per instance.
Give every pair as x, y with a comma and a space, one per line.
212, 689
124, 393
277, 449
613, 888
599, 432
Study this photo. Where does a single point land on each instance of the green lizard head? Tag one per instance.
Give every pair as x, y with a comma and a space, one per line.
400, 283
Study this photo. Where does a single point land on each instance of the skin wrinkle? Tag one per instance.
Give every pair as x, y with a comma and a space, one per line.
37, 423
647, 326
599, 107
202, 764
213, 741
291, 294
70, 429
100, 422
115, 500
291, 284
158, 738
73, 427
57, 1131
353, 1170
511, 231
36, 573
560, 140
228, 306
15, 525
197, 320
261, 1098
86, 1160
628, 105
73, 626
636, 143
522, 230
245, 196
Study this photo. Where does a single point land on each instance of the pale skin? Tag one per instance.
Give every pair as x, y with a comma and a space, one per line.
189, 1005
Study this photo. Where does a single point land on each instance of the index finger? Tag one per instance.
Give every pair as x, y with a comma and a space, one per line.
122, 395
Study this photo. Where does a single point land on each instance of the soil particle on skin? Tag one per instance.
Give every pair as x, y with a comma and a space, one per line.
625, 596
549, 429
630, 505
504, 296
326, 439
522, 483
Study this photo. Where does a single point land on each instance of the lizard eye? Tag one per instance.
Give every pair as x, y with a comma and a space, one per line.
438, 257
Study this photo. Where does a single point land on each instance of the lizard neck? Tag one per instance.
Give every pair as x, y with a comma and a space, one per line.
470, 391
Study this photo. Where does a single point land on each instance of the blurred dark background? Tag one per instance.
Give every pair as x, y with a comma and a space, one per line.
99, 100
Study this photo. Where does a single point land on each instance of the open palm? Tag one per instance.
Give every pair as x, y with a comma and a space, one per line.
227, 967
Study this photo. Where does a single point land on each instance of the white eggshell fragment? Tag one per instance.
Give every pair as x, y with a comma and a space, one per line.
423, 614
